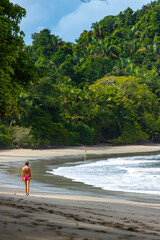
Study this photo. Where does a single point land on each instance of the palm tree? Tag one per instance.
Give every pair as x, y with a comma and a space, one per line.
97, 28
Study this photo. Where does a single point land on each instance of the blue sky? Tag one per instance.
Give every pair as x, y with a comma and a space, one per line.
69, 18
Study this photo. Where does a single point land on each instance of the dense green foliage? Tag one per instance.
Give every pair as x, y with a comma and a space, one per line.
104, 88
16, 70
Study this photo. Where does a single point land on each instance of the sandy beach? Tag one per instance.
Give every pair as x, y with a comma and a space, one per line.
59, 216
102, 150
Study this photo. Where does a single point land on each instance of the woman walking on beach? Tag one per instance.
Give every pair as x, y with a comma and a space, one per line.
26, 176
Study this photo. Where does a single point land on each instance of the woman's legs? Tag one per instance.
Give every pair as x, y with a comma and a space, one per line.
27, 181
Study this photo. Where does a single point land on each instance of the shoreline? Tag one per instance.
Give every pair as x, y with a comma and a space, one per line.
47, 216
59, 156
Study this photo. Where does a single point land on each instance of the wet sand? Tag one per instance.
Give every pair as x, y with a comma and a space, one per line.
58, 216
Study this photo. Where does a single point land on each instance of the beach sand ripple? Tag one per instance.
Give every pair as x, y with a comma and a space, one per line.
32, 217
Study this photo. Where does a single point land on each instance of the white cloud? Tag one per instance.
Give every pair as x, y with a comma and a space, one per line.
72, 25
37, 14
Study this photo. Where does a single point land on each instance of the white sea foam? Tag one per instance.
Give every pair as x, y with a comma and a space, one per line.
139, 174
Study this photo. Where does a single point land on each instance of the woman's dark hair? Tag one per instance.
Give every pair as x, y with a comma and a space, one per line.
27, 163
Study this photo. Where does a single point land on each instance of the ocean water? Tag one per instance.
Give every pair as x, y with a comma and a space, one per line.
140, 174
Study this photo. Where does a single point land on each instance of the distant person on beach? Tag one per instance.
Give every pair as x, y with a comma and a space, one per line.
85, 153
26, 176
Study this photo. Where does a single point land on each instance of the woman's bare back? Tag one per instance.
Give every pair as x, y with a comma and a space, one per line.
26, 170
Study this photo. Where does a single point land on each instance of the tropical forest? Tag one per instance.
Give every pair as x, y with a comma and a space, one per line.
102, 89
